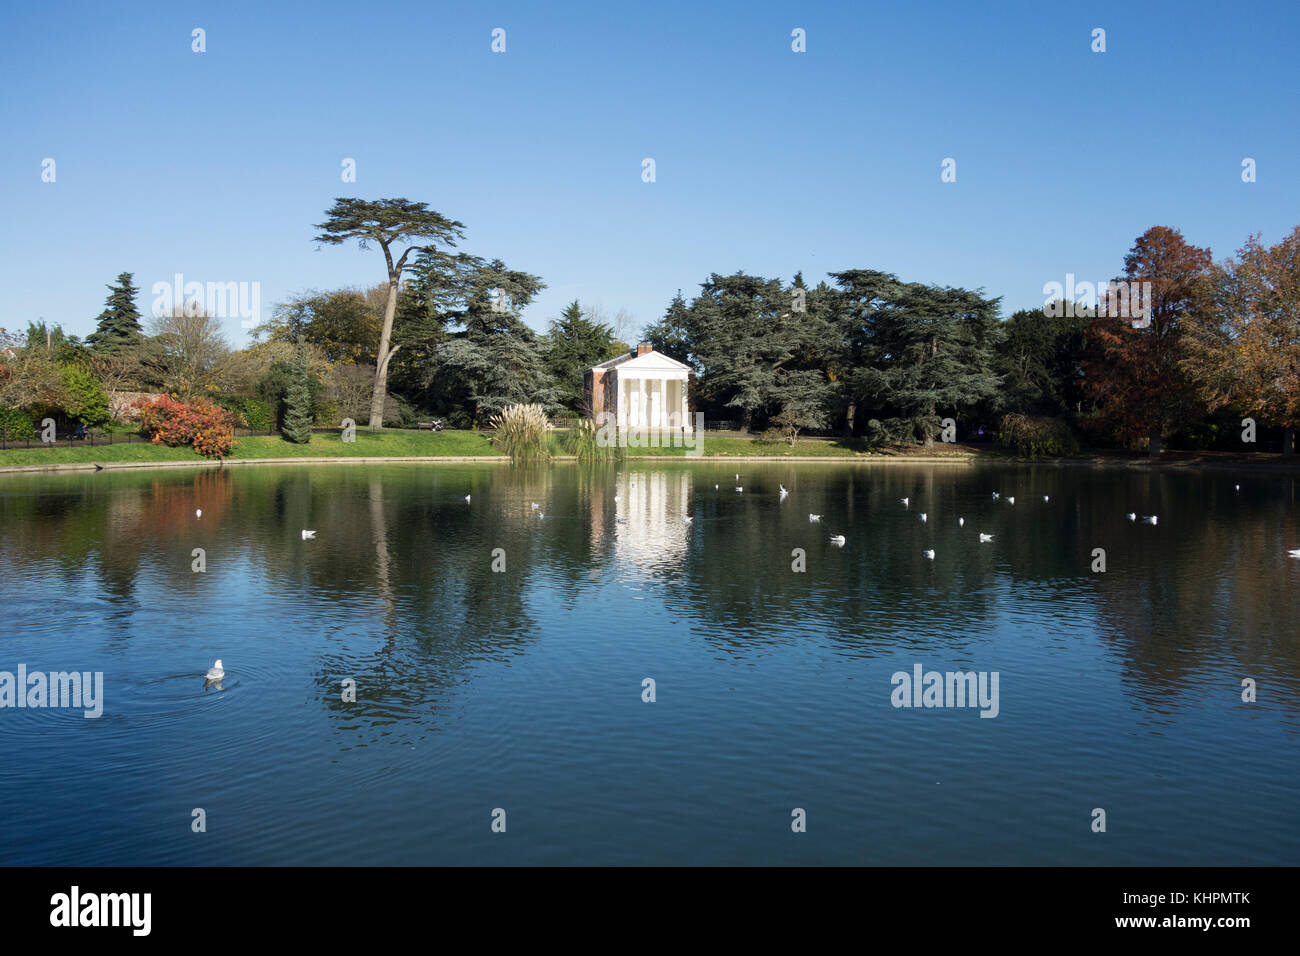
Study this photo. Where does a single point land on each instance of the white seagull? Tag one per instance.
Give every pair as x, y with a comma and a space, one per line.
1150, 519
985, 537
1011, 500
215, 672
1295, 553
814, 517
687, 519
783, 492
996, 496
1239, 487
467, 499
961, 522
904, 501
308, 534
1132, 516
1046, 498
534, 504
929, 554
198, 513
738, 488
923, 518
837, 540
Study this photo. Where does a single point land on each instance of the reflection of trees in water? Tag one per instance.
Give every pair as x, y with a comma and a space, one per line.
111, 527
1209, 589
401, 557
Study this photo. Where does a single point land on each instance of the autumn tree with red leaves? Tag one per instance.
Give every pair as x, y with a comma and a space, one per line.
1136, 375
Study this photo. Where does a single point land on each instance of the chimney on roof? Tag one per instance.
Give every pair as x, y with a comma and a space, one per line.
643, 348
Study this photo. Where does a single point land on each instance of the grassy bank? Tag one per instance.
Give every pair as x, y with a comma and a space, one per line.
386, 444
469, 444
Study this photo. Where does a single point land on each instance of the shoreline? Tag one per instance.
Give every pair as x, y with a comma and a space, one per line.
1276, 467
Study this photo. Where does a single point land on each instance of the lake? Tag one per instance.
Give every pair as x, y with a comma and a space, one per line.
522, 689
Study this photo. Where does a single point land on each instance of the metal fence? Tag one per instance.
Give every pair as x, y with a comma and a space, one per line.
96, 437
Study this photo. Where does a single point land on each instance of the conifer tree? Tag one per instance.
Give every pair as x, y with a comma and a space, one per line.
298, 413
119, 324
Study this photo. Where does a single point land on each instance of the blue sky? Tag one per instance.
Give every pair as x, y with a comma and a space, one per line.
216, 165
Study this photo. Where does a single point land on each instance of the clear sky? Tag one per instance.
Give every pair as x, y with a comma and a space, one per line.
217, 164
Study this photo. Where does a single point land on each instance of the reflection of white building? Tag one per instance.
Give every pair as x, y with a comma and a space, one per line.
650, 532
642, 389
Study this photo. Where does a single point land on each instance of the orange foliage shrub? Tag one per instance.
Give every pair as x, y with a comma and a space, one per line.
205, 427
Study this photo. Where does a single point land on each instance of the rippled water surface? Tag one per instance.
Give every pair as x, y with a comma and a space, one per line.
521, 689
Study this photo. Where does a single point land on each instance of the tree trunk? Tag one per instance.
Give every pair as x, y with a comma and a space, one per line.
1155, 444
1288, 441
746, 420
383, 356
848, 420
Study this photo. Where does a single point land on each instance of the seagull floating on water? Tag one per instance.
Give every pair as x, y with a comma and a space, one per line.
814, 517
783, 491
996, 496
1295, 553
738, 488
1011, 500
687, 519
837, 540
923, 518
534, 504
198, 513
1239, 487
904, 501
308, 534
929, 554
1132, 516
1046, 498
467, 499
985, 537
215, 672
961, 522
1150, 519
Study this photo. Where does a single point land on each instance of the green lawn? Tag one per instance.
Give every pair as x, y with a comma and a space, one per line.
401, 444
323, 445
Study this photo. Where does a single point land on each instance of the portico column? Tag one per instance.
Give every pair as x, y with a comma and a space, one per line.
643, 419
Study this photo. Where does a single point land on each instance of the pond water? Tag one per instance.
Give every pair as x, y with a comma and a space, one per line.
774, 690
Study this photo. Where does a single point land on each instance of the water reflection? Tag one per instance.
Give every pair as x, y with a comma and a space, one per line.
489, 644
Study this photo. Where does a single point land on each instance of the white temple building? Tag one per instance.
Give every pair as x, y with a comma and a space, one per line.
642, 389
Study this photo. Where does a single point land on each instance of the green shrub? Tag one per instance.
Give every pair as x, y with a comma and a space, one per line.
85, 400
16, 425
259, 416
1036, 437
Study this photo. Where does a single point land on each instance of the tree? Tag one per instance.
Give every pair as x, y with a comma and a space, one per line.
188, 353
344, 325
915, 351
1243, 347
574, 344
1138, 379
1038, 358
84, 399
119, 324
497, 360
55, 343
387, 222
298, 402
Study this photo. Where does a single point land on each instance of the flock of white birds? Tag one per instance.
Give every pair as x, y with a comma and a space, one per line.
216, 672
